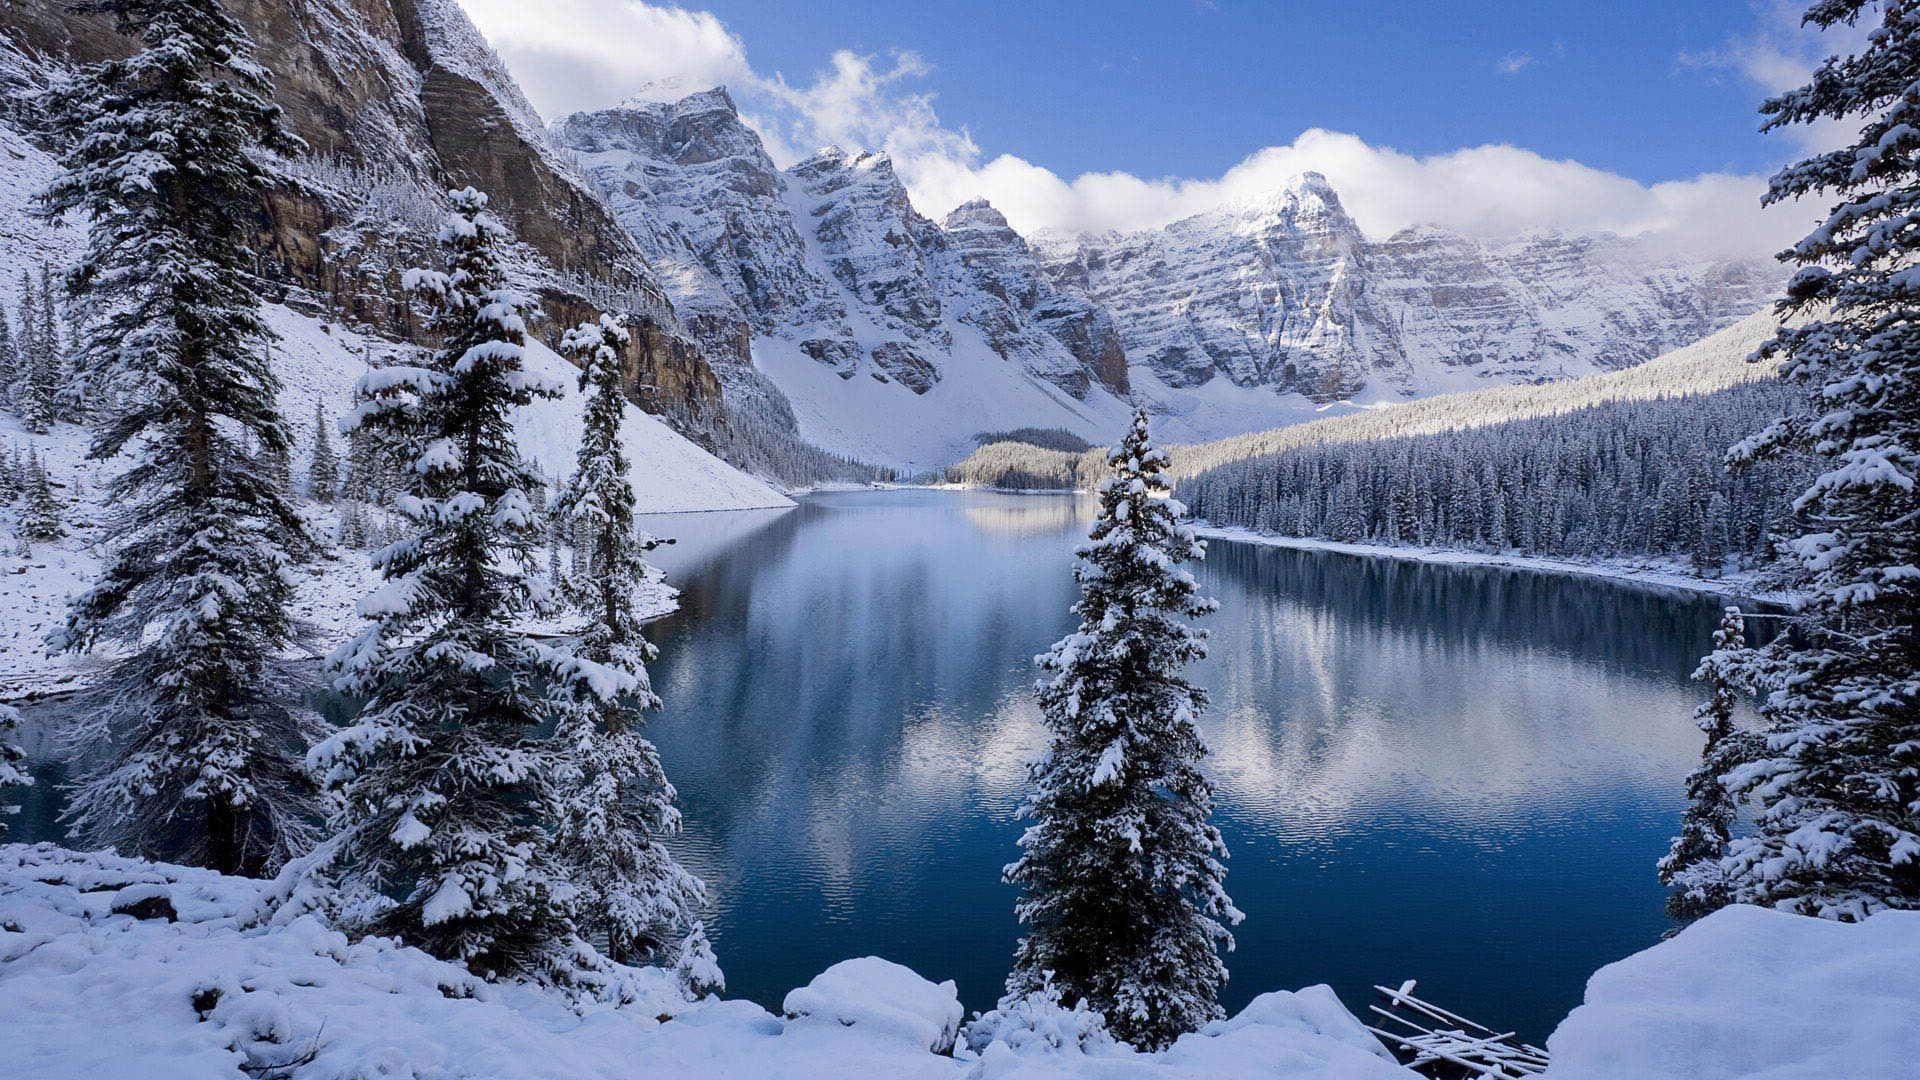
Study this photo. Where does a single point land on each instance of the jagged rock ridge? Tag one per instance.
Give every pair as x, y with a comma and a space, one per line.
1284, 290
831, 253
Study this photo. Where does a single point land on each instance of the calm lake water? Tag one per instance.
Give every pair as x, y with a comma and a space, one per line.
1460, 775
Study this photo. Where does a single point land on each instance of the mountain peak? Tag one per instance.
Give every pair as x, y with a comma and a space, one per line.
671, 97
977, 212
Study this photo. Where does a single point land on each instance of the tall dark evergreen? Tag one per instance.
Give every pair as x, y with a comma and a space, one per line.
32, 392
1691, 867
9, 358
39, 506
323, 473
1122, 873
1838, 782
192, 745
614, 802
443, 778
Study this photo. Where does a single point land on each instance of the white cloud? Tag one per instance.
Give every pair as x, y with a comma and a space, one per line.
576, 54
570, 55
1780, 53
1514, 62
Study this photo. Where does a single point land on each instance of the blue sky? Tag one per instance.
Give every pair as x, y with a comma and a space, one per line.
1498, 116
1174, 86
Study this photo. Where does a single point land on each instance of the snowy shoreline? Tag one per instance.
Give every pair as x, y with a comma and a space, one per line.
1735, 586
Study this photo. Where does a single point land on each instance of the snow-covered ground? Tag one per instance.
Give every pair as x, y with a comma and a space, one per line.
318, 365
1668, 575
225, 989
117, 969
1754, 994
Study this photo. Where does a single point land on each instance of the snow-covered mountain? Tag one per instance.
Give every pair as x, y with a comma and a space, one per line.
894, 337
1283, 290
818, 301
1259, 313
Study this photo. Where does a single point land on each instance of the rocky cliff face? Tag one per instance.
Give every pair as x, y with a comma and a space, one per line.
1284, 291
831, 254
399, 100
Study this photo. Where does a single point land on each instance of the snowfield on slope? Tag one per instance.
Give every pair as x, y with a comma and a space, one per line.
318, 365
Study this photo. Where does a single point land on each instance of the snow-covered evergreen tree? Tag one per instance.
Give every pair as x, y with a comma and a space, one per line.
442, 779
695, 965
13, 768
32, 394
192, 746
1122, 872
1692, 865
615, 804
39, 507
9, 358
323, 474
61, 393
1838, 782
353, 525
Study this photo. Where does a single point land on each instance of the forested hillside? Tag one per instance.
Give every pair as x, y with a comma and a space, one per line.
1713, 363
1640, 478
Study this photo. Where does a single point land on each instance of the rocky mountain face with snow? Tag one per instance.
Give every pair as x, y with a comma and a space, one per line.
818, 302
398, 101
1216, 321
831, 254
1285, 291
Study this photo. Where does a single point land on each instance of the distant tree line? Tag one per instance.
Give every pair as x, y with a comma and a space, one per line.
1640, 478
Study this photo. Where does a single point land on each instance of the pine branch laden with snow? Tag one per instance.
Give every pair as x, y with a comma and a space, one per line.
1123, 874
1692, 864
191, 749
1838, 780
441, 778
13, 768
614, 803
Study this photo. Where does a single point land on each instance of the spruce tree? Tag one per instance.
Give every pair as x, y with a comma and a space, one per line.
1838, 783
31, 394
323, 475
353, 525
1122, 872
193, 742
40, 509
9, 358
442, 778
1692, 865
615, 803
62, 403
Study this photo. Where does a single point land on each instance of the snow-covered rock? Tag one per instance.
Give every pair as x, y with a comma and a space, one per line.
227, 992
883, 997
828, 264
1753, 993
1252, 315
1283, 291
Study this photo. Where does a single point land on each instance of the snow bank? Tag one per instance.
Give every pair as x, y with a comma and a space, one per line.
882, 997
1754, 993
220, 992
1665, 575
